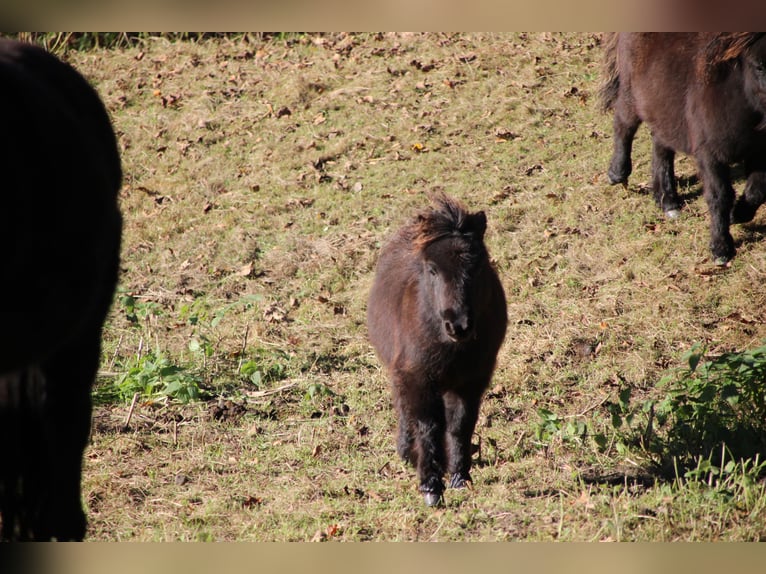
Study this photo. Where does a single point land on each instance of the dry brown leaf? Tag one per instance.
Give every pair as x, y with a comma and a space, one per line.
245, 270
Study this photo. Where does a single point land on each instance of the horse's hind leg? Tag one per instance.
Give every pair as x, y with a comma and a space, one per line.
755, 191
719, 196
625, 124
462, 414
404, 441
664, 180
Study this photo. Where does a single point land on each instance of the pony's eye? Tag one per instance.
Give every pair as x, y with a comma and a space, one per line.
432, 269
759, 66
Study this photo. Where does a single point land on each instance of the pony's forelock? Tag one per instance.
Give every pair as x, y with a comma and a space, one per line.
724, 47
447, 217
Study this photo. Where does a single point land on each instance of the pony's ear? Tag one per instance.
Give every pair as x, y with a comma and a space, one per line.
475, 223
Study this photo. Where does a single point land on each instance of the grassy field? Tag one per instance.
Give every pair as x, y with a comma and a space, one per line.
262, 175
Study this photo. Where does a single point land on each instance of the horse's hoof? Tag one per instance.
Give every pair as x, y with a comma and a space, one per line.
722, 261
459, 481
615, 179
618, 173
672, 213
433, 499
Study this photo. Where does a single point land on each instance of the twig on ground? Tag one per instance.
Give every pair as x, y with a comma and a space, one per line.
126, 426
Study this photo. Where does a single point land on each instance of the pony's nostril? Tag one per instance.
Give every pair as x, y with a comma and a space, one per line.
457, 329
460, 331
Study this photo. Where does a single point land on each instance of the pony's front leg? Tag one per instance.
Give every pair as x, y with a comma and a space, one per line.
664, 180
755, 191
67, 420
424, 407
625, 124
719, 196
462, 413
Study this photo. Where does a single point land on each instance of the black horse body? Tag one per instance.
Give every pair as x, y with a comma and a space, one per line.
60, 229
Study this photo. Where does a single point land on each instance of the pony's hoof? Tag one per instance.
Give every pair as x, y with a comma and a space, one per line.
722, 261
672, 213
617, 179
618, 174
433, 499
459, 481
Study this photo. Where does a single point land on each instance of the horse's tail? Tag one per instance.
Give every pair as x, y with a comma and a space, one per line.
611, 85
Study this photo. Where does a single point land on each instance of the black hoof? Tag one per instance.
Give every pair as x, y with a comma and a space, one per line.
722, 261
619, 171
614, 179
672, 213
433, 499
458, 480
432, 490
722, 249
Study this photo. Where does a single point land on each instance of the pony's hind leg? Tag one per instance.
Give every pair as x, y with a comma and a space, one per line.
754, 194
462, 414
625, 124
404, 441
664, 180
405, 436
719, 196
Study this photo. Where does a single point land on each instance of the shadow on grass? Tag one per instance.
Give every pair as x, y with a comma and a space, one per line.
752, 233
711, 419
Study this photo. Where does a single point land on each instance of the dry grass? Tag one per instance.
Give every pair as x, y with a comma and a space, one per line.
262, 175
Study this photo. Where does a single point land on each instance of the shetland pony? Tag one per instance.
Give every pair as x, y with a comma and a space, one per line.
702, 94
437, 317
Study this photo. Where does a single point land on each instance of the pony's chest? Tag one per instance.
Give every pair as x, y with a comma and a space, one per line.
455, 368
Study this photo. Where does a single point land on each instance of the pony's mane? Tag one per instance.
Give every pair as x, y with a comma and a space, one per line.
446, 217
719, 48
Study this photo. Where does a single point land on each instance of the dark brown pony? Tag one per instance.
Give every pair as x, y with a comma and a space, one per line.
60, 232
703, 94
437, 317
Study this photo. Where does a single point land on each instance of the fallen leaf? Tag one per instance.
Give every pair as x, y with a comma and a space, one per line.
739, 317
251, 502
245, 270
506, 135
532, 169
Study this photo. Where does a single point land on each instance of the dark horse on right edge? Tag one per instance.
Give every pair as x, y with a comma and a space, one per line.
703, 94
437, 317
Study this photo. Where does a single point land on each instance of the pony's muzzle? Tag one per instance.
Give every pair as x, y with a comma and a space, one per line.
457, 327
